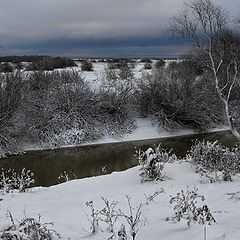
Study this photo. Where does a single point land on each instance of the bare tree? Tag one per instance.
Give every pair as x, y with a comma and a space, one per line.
203, 23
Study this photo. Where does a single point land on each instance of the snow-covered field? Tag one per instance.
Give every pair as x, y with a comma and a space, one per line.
94, 77
64, 205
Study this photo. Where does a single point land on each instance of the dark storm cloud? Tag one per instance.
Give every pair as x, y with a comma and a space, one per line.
77, 26
125, 46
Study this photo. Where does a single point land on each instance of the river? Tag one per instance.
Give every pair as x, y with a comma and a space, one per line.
97, 159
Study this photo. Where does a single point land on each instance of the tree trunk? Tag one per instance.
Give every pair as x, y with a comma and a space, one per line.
229, 119
219, 91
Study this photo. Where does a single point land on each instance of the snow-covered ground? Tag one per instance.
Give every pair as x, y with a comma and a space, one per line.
64, 205
145, 129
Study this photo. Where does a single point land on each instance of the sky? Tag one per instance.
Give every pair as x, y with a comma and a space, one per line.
93, 28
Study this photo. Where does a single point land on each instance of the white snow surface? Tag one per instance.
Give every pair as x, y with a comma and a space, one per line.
64, 204
145, 129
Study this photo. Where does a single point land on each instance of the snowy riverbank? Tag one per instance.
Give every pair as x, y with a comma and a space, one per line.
64, 204
144, 130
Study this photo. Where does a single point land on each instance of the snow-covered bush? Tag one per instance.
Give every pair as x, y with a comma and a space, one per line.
6, 67
10, 101
47, 63
146, 60
174, 98
66, 176
60, 108
11, 180
147, 65
160, 63
23, 180
5, 181
93, 218
122, 235
152, 163
234, 195
150, 198
28, 229
133, 217
109, 214
121, 70
86, 66
115, 104
214, 161
186, 206
111, 74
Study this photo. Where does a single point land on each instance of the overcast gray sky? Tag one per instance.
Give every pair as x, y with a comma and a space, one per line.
92, 27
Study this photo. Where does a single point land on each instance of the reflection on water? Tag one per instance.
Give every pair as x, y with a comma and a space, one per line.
86, 161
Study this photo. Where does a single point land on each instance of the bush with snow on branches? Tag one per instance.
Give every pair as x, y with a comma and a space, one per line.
28, 229
152, 163
185, 206
214, 161
15, 181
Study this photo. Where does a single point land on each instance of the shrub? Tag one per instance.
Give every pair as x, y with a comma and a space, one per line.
150, 198
234, 196
47, 63
174, 98
117, 62
59, 107
147, 65
125, 72
93, 218
122, 235
146, 60
152, 163
133, 217
86, 66
62, 109
214, 161
109, 215
160, 63
185, 205
10, 101
6, 67
28, 229
121, 68
66, 176
18, 66
11, 180
111, 74
115, 106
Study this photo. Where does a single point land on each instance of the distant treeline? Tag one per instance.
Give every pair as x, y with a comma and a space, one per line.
50, 63
35, 62
25, 58
19, 59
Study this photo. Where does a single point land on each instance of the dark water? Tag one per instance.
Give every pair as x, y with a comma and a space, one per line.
86, 161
